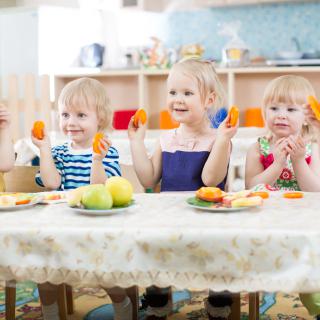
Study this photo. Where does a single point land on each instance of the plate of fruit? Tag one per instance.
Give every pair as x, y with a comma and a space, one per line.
216, 200
18, 201
113, 197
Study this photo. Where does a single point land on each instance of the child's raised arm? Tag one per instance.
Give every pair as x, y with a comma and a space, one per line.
49, 174
6, 145
256, 174
148, 170
216, 166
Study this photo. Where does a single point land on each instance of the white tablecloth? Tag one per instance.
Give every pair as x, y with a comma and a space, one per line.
165, 242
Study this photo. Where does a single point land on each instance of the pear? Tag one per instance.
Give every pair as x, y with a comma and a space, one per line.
74, 196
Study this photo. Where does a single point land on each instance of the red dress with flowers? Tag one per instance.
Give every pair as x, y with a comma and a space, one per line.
287, 179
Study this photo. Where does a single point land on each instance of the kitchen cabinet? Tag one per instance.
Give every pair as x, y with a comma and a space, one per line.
130, 89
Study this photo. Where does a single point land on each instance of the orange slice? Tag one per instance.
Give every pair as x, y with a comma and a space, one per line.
141, 116
24, 201
234, 116
96, 142
262, 194
293, 195
211, 194
37, 130
315, 106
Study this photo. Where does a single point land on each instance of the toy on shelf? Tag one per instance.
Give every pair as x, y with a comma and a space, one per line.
253, 118
155, 57
166, 121
194, 50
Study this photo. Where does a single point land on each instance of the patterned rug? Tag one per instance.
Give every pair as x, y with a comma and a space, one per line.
93, 304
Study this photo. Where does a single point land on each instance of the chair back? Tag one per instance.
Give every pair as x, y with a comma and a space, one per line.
22, 179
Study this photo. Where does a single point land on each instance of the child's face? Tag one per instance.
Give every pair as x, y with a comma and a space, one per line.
80, 123
183, 99
284, 119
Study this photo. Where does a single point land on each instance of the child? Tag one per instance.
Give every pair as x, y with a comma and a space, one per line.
84, 110
287, 158
6, 145
188, 157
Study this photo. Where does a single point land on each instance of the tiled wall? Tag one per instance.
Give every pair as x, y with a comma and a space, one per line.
265, 28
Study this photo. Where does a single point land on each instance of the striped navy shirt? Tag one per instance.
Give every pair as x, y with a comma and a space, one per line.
74, 166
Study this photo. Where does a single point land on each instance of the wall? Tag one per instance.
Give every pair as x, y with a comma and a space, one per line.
265, 28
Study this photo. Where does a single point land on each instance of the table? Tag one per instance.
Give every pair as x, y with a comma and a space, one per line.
163, 241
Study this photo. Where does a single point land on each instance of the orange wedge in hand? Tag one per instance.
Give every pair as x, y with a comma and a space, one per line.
141, 116
315, 106
37, 130
96, 142
293, 195
233, 116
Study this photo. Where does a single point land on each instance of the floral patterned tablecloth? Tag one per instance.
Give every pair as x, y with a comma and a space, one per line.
163, 241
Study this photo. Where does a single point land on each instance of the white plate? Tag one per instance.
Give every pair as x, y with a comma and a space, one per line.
108, 212
22, 206
221, 209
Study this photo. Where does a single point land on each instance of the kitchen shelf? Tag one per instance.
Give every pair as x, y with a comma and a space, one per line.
146, 88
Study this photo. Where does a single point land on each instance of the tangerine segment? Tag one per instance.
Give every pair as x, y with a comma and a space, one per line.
315, 106
141, 116
37, 130
293, 195
262, 194
211, 194
233, 116
96, 142
23, 201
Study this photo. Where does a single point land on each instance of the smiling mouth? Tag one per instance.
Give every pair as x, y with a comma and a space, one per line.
179, 110
281, 125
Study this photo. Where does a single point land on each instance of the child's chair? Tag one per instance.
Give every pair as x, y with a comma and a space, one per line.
21, 179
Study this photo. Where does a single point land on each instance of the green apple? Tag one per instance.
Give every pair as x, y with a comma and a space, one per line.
96, 197
74, 196
120, 189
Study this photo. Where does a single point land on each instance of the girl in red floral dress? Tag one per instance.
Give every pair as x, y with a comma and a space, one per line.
287, 158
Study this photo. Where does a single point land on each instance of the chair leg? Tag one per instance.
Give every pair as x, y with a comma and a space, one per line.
69, 296
133, 294
62, 302
236, 307
10, 294
254, 306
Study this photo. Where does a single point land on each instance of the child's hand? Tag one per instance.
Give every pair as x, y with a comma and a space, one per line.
296, 147
279, 152
104, 145
310, 117
43, 143
136, 133
225, 130
5, 117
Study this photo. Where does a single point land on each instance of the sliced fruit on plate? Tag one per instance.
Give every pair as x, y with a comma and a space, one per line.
247, 202
210, 194
262, 194
293, 195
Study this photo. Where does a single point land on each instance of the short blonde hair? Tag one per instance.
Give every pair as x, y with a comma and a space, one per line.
206, 76
90, 93
288, 89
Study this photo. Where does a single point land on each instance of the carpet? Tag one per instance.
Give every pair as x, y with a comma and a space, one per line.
93, 304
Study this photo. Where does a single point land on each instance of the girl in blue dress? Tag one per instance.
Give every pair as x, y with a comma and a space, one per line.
187, 158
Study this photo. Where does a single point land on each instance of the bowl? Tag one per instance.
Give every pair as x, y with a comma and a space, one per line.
289, 55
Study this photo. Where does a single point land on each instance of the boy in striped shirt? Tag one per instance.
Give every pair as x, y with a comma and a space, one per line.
84, 110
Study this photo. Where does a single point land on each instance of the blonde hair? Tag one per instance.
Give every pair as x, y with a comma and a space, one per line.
288, 89
90, 93
206, 76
